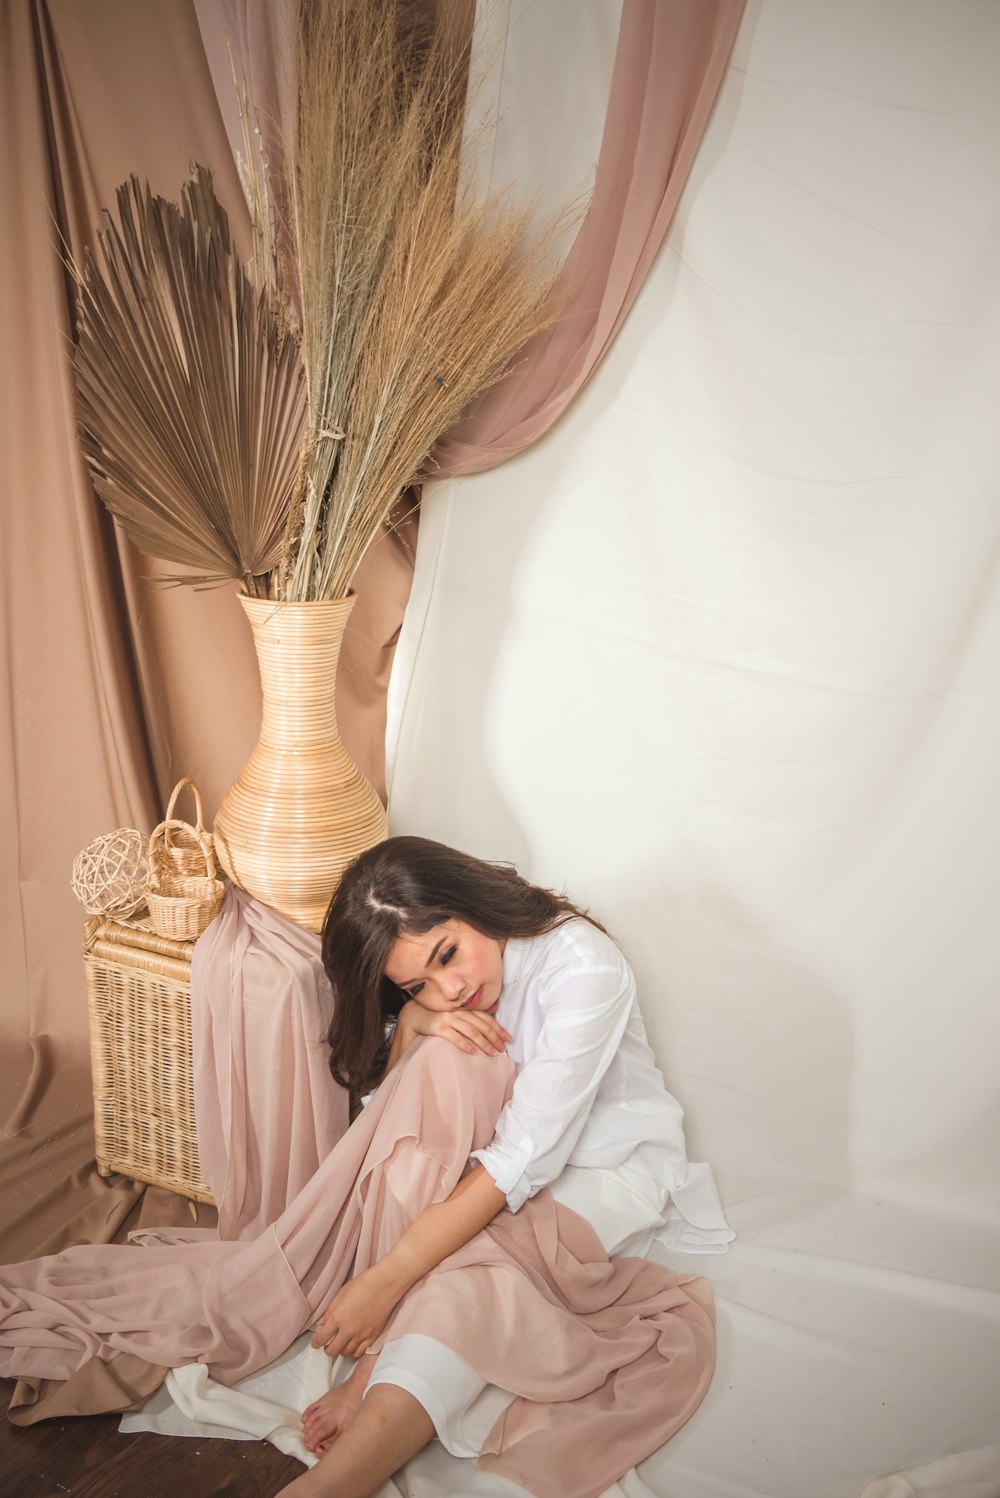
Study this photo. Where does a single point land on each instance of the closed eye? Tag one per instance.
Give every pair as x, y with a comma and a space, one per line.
444, 960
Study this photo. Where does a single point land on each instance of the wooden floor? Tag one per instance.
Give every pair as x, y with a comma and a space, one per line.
90, 1459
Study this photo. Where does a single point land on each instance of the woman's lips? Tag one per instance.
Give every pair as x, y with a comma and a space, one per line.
473, 998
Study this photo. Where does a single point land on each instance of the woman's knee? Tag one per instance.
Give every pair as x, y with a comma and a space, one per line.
436, 1057
463, 1087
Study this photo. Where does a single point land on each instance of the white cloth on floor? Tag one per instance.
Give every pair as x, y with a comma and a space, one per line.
266, 1406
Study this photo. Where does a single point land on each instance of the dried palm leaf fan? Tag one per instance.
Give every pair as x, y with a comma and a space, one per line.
190, 390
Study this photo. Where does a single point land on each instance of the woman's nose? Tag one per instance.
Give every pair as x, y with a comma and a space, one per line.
452, 985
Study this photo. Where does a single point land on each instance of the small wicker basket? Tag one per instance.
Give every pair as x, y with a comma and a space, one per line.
181, 905
184, 844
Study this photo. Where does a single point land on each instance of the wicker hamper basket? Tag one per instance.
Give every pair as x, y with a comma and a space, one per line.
139, 1003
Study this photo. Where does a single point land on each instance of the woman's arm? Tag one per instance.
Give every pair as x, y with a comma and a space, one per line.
360, 1309
586, 1011
467, 1029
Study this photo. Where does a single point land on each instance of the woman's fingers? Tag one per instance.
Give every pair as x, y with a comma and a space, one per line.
469, 1032
319, 1336
355, 1316
483, 1032
490, 1014
472, 1039
327, 1334
489, 1026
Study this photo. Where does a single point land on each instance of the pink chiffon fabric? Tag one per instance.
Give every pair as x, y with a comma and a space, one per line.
669, 64
268, 1112
606, 1358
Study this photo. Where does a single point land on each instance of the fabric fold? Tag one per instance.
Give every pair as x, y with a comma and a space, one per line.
267, 1110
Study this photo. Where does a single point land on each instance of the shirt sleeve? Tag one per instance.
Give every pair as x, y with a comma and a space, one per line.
586, 1012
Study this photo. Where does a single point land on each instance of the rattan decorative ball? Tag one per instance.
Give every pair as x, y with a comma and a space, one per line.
109, 876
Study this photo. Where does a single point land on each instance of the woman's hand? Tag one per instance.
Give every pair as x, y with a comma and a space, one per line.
357, 1313
468, 1029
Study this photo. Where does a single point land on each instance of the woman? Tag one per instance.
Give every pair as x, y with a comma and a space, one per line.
510, 1333
424, 941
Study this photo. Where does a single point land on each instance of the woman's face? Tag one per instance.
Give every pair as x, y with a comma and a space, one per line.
452, 966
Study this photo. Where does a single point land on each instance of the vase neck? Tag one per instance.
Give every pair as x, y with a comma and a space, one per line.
298, 651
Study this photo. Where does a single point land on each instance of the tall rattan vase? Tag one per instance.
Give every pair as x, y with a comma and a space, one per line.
301, 809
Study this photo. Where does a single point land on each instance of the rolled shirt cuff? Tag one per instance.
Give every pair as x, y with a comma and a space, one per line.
696, 1223
507, 1166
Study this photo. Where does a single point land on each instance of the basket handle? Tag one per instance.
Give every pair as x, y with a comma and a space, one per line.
163, 830
199, 813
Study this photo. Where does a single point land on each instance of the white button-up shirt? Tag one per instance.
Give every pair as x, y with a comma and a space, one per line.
588, 1091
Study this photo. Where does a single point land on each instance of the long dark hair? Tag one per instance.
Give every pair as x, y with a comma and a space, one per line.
404, 887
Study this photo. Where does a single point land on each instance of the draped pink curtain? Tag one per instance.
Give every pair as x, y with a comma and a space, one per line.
669, 63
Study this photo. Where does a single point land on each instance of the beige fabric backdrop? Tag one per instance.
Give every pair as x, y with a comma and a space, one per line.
78, 757
113, 688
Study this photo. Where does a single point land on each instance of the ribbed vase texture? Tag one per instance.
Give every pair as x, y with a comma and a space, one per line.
300, 810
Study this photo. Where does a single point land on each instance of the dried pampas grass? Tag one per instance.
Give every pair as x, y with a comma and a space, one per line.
413, 302
190, 393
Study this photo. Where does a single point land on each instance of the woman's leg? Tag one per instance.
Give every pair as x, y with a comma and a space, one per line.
409, 1149
389, 1428
446, 1105
619, 1204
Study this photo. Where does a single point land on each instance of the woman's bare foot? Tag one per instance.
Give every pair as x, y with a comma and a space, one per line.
389, 1428
329, 1416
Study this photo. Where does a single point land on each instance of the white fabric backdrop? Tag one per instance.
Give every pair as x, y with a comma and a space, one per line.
720, 656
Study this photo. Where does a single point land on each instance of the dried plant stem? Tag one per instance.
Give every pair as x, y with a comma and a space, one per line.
413, 304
